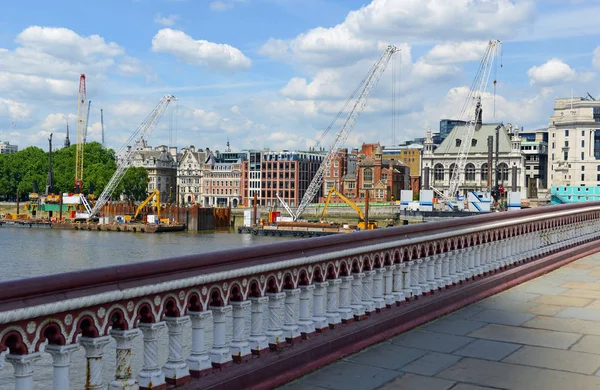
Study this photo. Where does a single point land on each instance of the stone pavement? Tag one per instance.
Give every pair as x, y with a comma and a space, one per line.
543, 334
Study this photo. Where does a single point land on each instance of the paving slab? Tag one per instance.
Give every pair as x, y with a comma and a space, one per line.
569, 325
431, 341
575, 278
502, 317
596, 272
582, 285
594, 305
561, 300
387, 355
431, 364
556, 359
579, 265
536, 337
588, 343
514, 377
345, 375
580, 312
455, 327
464, 313
489, 350
541, 288
412, 382
545, 310
581, 293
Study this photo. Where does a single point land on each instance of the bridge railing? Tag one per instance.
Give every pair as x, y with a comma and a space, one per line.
246, 302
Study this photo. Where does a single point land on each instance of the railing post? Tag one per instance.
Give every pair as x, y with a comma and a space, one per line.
332, 314
345, 309
219, 353
319, 318
477, 250
274, 332
61, 361
461, 260
437, 272
422, 264
24, 368
258, 339
398, 276
367, 292
446, 279
94, 350
239, 346
151, 376
470, 262
357, 282
123, 378
305, 321
198, 361
291, 330
378, 288
388, 282
431, 283
176, 369
414, 279
453, 264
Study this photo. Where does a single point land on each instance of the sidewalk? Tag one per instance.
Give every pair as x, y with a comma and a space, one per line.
543, 334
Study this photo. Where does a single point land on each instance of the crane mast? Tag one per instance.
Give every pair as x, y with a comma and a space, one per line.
87, 120
81, 115
470, 112
366, 86
125, 155
102, 124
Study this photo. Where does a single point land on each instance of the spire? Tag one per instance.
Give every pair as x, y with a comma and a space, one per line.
67, 141
228, 149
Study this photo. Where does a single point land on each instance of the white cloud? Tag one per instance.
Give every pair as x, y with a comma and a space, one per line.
213, 56
13, 109
554, 71
596, 58
456, 52
166, 20
224, 5
130, 65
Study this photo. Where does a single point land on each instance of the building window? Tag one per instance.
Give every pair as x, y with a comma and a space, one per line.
598, 177
596, 114
473, 142
368, 175
503, 169
583, 177
458, 142
565, 155
552, 156
583, 135
438, 172
582, 156
566, 133
552, 145
583, 168
566, 144
470, 172
582, 143
553, 135
484, 172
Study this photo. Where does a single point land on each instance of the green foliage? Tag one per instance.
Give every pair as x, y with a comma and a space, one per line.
18, 170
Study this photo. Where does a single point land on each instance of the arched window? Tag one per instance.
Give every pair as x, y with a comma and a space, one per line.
451, 170
438, 172
503, 169
368, 175
470, 172
484, 172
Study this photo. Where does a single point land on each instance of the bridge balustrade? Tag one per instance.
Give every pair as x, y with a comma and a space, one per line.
248, 302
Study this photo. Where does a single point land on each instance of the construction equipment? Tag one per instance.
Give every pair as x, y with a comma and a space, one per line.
102, 124
363, 91
154, 194
81, 115
362, 225
471, 113
125, 155
87, 121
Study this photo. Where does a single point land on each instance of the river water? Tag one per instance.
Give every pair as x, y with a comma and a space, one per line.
28, 252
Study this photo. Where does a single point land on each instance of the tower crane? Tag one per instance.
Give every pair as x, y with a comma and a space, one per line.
471, 113
102, 124
87, 120
364, 91
125, 155
81, 115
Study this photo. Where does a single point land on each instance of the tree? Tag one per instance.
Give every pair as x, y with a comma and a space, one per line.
134, 185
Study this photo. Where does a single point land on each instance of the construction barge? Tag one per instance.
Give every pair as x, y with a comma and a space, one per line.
119, 227
298, 229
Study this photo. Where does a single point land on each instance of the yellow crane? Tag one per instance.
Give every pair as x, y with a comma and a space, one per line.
361, 223
153, 194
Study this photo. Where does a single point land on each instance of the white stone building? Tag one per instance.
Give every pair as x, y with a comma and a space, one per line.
441, 161
7, 148
162, 170
189, 175
574, 143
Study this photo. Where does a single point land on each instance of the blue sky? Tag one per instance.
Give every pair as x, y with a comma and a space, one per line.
273, 73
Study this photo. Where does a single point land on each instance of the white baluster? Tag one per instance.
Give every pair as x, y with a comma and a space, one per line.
332, 314
422, 264
398, 276
24, 368
460, 264
414, 279
258, 339
219, 353
388, 282
437, 272
470, 262
359, 310
319, 296
274, 332
378, 289
123, 377
453, 261
305, 321
94, 350
199, 361
61, 362
151, 375
176, 369
345, 309
367, 294
477, 251
432, 284
239, 347
291, 330
446, 279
